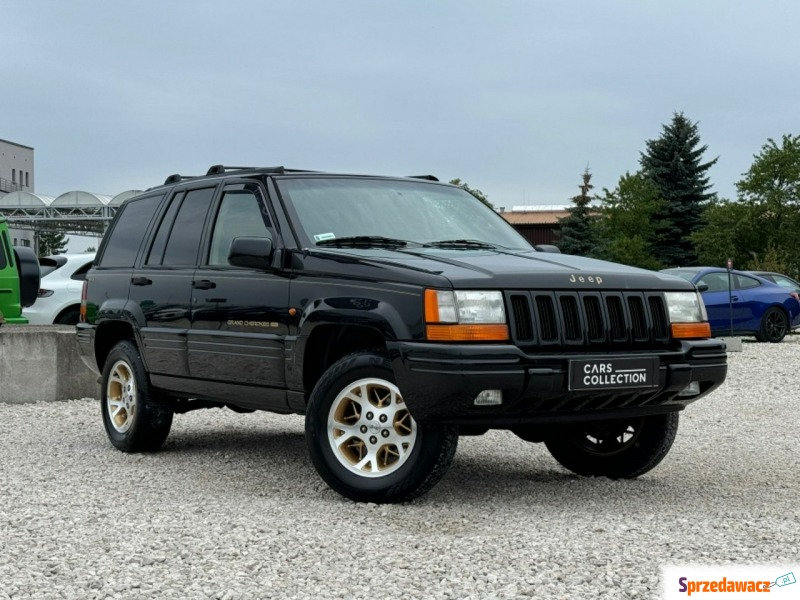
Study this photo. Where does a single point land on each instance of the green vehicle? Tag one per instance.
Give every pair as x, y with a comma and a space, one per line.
19, 278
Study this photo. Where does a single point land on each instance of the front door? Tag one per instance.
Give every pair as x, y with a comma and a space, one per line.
239, 315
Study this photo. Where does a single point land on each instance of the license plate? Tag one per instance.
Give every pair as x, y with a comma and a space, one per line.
613, 373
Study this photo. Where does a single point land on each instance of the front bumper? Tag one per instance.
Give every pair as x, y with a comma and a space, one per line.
439, 383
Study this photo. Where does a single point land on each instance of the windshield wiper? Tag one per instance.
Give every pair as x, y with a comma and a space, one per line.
364, 241
460, 244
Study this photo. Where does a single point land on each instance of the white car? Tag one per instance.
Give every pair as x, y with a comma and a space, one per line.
59, 299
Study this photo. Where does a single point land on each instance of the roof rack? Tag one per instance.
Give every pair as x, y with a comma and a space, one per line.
222, 169
176, 178
428, 177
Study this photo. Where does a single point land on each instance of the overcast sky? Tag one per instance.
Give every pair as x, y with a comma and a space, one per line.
514, 97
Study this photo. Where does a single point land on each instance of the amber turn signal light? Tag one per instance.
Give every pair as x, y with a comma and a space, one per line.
691, 331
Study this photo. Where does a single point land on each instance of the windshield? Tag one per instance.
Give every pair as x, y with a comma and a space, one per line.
409, 211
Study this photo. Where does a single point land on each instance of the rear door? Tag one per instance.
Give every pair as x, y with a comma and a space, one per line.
162, 287
239, 315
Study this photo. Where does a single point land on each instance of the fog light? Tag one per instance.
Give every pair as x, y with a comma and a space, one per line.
690, 390
489, 398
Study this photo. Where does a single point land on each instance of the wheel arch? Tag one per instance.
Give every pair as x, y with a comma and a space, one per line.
108, 335
65, 310
329, 342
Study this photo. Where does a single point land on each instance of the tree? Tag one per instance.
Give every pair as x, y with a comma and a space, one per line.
577, 232
475, 192
627, 227
673, 162
52, 241
762, 228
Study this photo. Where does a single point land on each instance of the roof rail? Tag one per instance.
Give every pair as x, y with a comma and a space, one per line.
428, 177
222, 169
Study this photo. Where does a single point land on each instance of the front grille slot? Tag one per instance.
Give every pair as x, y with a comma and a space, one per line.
638, 319
573, 326
546, 319
590, 320
595, 320
616, 317
523, 327
660, 319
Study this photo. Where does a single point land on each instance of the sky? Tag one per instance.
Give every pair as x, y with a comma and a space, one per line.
516, 98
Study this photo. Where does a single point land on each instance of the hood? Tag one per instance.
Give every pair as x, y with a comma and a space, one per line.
499, 269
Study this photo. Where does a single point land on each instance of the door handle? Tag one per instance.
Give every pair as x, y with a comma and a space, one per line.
203, 284
141, 281
735, 298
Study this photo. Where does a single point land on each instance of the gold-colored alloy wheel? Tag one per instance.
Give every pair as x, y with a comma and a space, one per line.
121, 397
370, 429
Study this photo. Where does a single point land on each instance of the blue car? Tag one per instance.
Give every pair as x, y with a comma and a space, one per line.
760, 307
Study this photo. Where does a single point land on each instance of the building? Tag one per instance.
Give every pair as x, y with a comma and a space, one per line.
537, 224
17, 175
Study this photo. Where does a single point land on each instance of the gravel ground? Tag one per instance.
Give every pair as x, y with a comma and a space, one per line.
232, 508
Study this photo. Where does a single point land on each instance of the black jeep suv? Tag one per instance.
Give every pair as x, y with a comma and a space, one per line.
396, 314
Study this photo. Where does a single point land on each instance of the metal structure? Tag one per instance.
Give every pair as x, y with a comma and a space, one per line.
76, 212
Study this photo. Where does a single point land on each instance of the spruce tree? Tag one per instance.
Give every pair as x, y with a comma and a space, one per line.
674, 163
577, 232
52, 242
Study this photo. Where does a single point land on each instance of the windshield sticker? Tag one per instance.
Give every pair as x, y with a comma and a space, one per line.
324, 236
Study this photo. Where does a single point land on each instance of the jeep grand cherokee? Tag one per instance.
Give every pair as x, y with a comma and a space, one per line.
396, 314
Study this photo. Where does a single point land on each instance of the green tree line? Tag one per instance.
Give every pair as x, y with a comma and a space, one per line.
666, 214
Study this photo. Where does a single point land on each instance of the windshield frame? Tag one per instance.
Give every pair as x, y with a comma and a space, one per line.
511, 238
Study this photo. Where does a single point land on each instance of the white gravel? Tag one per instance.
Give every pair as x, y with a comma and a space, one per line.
232, 508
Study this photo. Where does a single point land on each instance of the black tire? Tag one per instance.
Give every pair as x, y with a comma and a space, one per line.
620, 449
399, 458
70, 316
134, 419
774, 326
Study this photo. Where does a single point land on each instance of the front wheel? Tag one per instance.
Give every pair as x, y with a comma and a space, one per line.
364, 442
620, 449
774, 325
134, 419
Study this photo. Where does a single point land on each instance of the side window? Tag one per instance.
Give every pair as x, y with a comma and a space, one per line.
241, 214
184, 239
122, 243
716, 282
745, 283
3, 246
156, 254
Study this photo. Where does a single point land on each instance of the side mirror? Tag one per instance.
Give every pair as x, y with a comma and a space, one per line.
547, 248
251, 252
702, 287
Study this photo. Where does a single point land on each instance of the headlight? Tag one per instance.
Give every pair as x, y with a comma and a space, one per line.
685, 307
687, 315
463, 315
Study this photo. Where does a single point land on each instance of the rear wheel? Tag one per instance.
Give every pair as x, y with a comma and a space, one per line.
774, 326
134, 419
71, 316
619, 449
363, 440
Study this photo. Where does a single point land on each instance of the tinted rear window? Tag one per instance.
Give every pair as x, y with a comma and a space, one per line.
130, 226
184, 239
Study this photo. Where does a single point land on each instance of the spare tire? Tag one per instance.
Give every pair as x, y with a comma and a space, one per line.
28, 269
